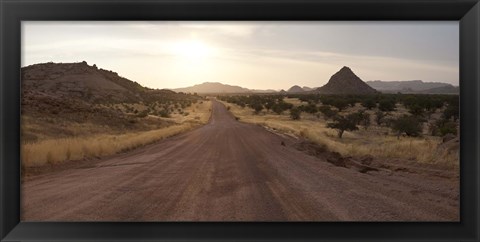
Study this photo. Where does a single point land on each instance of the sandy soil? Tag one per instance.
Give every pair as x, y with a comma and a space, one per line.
232, 171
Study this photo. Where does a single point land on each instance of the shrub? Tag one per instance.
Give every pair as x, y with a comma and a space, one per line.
164, 113
409, 125
452, 111
310, 108
295, 113
369, 103
142, 114
281, 106
269, 104
257, 107
340, 104
386, 105
443, 127
364, 119
448, 127
327, 112
277, 109
416, 110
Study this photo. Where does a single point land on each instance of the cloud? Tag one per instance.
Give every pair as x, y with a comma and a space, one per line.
235, 29
268, 51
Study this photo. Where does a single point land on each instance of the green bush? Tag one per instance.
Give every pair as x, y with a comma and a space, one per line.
409, 125
386, 105
295, 113
327, 112
369, 103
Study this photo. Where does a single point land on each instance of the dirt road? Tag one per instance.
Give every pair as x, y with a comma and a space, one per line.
228, 170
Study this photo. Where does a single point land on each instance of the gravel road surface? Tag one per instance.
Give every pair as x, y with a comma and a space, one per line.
232, 171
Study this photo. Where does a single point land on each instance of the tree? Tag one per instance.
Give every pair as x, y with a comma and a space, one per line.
452, 111
310, 108
365, 120
448, 127
295, 113
327, 112
416, 109
443, 127
360, 118
281, 106
342, 124
409, 125
257, 107
369, 103
340, 104
269, 104
164, 113
386, 105
277, 109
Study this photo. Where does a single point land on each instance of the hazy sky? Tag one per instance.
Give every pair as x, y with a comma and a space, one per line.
260, 55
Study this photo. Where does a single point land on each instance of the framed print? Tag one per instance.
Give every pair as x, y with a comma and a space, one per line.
239, 120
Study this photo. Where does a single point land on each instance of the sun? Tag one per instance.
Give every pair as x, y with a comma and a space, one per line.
191, 50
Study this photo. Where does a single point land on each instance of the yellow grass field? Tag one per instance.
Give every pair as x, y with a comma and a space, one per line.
375, 141
51, 151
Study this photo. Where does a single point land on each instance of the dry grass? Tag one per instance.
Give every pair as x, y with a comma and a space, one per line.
53, 151
198, 113
374, 142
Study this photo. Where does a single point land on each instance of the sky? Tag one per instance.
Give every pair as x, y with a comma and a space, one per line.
256, 55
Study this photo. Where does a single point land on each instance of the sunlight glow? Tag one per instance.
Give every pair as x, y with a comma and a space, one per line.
191, 50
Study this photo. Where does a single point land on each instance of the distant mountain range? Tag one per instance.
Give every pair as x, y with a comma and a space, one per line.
298, 89
217, 87
342, 82
414, 86
345, 81
91, 84
448, 89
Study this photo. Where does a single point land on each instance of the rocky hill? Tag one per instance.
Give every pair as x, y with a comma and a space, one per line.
295, 89
59, 96
346, 82
87, 83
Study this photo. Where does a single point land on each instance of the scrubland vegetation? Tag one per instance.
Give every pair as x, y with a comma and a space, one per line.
79, 141
393, 126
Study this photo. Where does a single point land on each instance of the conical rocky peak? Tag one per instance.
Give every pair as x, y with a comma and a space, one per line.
346, 82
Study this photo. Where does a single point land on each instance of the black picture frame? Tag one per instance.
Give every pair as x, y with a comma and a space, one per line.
12, 12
